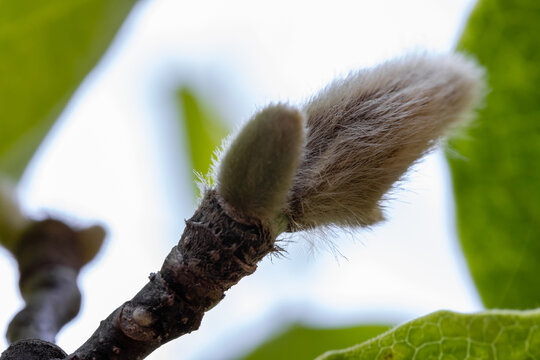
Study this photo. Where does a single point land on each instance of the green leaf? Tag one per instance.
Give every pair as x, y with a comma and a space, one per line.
496, 171
300, 342
205, 130
445, 335
46, 49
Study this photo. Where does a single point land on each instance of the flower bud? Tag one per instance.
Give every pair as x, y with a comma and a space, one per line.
365, 131
256, 172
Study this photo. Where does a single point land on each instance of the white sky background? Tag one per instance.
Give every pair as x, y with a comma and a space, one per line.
116, 156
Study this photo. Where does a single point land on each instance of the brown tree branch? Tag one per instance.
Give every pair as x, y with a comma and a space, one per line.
50, 255
33, 349
217, 249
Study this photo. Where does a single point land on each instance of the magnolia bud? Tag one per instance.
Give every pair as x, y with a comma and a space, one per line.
364, 131
258, 167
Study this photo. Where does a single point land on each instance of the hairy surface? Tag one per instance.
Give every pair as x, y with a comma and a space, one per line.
257, 169
366, 130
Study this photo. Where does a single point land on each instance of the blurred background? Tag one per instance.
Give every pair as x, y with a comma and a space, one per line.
120, 154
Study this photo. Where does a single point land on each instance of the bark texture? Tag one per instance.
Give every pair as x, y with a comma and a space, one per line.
33, 349
217, 249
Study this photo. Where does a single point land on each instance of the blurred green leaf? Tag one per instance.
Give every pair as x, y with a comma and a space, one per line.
204, 130
496, 171
46, 49
445, 335
300, 342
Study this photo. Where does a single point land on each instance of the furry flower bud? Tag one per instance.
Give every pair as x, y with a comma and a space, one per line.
364, 131
258, 167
